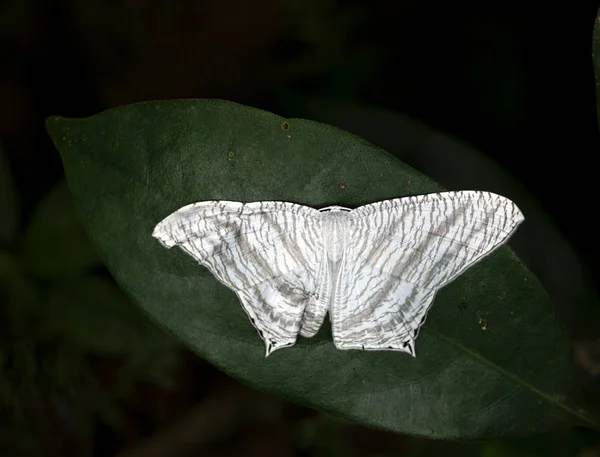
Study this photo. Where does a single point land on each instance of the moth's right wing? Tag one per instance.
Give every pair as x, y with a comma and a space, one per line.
401, 252
268, 253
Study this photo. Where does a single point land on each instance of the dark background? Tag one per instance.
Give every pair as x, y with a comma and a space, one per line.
515, 80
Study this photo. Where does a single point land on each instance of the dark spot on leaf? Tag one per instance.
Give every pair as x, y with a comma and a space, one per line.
285, 125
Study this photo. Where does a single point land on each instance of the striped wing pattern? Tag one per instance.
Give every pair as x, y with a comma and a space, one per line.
405, 250
266, 252
376, 269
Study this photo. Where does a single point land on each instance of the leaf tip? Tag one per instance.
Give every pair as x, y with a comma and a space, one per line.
51, 121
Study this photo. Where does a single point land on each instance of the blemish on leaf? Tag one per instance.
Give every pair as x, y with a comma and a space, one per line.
409, 182
381, 174
230, 155
341, 185
285, 125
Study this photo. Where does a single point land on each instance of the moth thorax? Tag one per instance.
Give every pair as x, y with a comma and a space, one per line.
334, 232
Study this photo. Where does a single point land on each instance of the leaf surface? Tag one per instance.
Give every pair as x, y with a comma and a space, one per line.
492, 360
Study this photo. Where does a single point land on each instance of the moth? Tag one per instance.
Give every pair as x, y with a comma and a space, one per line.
375, 269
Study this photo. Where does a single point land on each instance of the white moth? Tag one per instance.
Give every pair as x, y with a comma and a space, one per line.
375, 269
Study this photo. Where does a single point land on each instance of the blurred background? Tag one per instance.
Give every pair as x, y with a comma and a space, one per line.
503, 91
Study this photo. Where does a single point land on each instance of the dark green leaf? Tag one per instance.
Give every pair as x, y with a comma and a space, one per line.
96, 317
94, 314
492, 358
56, 243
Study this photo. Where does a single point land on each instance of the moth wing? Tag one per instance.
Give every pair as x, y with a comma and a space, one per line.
402, 252
268, 253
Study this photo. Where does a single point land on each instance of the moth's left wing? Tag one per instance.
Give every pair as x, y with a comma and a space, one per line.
401, 252
268, 253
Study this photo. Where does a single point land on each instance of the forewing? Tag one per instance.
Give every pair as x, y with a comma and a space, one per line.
402, 252
266, 252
